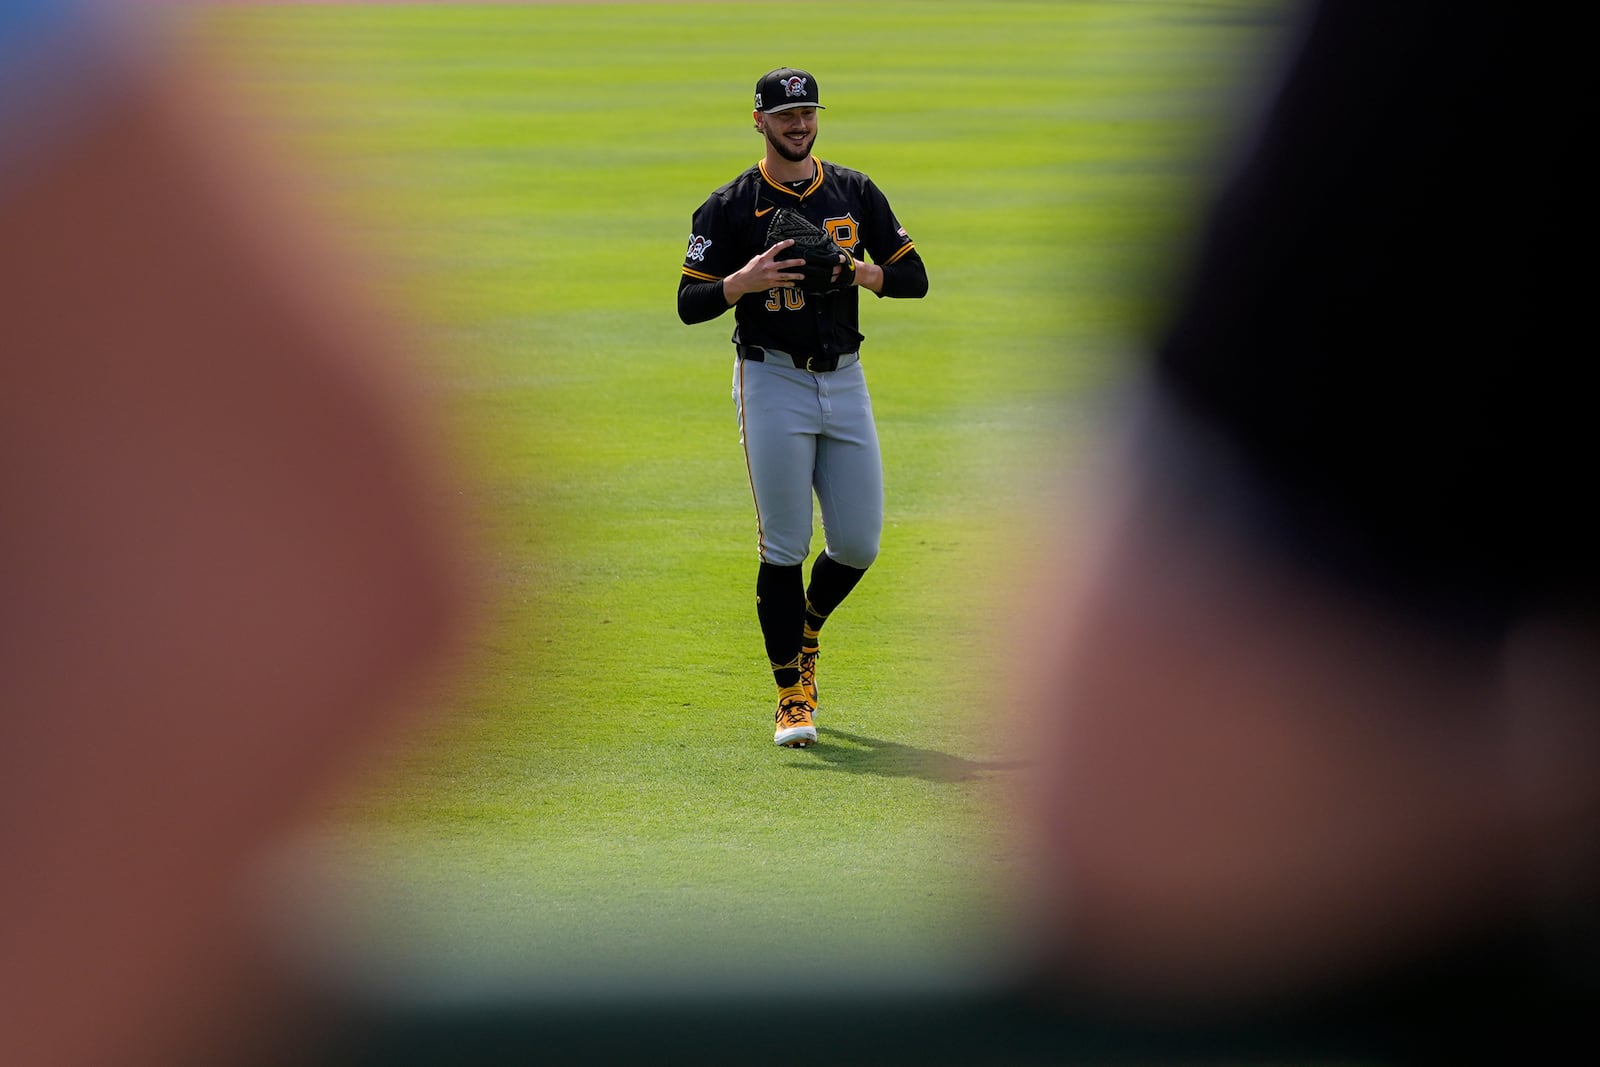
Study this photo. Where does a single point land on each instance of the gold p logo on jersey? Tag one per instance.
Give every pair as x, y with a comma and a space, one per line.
842, 230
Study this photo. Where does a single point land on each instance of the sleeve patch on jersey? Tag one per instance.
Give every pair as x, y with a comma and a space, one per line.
697, 247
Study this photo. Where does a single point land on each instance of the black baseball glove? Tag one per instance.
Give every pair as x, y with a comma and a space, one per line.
821, 253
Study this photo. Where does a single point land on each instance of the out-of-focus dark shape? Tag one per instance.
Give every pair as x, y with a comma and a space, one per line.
1319, 688
227, 563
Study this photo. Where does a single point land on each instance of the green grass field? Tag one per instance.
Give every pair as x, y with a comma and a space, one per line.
599, 791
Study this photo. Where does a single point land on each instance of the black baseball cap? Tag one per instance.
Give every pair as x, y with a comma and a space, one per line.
785, 88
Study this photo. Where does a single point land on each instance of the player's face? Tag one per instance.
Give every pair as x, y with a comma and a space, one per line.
791, 133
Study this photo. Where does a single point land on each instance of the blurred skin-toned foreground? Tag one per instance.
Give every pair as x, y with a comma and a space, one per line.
229, 563
1317, 685
1258, 785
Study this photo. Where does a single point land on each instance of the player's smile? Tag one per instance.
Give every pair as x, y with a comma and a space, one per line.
792, 132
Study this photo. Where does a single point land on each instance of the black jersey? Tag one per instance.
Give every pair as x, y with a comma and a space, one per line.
730, 229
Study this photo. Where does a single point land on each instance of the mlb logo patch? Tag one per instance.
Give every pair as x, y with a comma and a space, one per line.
697, 247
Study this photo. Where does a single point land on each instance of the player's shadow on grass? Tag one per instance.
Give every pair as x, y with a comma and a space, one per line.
840, 750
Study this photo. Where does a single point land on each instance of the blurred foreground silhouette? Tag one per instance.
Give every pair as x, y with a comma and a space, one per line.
227, 557
1321, 690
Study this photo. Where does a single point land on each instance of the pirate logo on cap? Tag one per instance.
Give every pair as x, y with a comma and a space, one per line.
785, 88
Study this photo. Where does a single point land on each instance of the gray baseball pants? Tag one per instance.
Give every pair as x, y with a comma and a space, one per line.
806, 433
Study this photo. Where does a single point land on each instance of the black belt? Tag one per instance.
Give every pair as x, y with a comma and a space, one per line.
815, 364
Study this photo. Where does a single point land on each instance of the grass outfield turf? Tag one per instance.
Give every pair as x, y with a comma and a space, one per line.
600, 790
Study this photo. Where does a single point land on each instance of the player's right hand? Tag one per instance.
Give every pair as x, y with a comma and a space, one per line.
764, 272
789, 268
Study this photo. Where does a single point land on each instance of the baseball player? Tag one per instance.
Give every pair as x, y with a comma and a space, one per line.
786, 245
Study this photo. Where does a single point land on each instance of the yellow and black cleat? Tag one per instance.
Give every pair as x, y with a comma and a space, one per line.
794, 725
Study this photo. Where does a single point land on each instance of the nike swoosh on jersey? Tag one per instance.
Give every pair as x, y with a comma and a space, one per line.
762, 211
